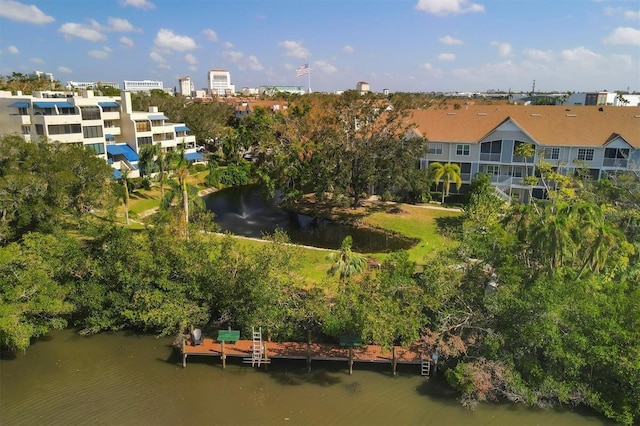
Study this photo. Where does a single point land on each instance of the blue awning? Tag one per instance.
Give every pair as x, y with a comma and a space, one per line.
157, 117
109, 137
193, 156
47, 105
124, 150
19, 104
182, 129
109, 104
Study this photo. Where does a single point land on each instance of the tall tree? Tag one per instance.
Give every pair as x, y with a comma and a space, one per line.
345, 261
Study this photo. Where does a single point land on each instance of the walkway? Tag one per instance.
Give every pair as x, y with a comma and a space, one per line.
304, 351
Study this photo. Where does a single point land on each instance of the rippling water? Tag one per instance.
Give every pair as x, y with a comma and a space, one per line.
126, 379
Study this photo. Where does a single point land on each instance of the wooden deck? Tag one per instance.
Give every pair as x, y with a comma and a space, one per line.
304, 351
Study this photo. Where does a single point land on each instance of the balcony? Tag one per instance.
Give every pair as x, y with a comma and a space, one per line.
56, 119
21, 120
490, 157
110, 115
621, 163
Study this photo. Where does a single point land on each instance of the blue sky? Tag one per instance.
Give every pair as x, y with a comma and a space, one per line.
400, 45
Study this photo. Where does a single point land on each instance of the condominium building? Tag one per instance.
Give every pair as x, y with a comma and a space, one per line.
185, 86
142, 85
84, 85
483, 139
107, 125
219, 83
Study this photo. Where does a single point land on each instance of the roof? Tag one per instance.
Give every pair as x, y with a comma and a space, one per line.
182, 129
157, 117
19, 104
108, 104
47, 105
547, 125
193, 156
122, 149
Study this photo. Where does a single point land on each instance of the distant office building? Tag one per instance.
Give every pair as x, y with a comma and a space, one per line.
362, 87
84, 85
219, 83
185, 86
273, 90
41, 74
142, 85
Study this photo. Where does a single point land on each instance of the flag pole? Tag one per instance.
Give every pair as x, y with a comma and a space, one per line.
309, 84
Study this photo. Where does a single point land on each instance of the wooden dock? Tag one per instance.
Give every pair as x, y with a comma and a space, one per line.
306, 351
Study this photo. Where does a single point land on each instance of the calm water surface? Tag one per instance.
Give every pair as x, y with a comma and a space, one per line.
126, 379
243, 211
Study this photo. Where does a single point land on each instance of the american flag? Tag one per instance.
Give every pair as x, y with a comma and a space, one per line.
302, 70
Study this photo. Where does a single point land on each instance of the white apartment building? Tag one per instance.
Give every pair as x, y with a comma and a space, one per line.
186, 86
84, 85
219, 83
142, 85
603, 99
362, 87
483, 139
107, 125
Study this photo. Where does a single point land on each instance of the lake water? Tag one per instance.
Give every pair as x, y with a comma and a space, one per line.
243, 211
129, 379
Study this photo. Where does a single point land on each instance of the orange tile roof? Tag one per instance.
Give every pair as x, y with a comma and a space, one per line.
547, 125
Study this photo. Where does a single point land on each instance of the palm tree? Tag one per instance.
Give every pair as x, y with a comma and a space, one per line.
124, 171
345, 261
147, 159
449, 173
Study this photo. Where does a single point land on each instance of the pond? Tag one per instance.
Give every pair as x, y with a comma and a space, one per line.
244, 211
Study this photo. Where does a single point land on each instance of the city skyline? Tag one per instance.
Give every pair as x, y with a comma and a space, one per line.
411, 46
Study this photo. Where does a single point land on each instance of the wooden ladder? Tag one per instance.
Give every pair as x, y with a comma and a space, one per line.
425, 367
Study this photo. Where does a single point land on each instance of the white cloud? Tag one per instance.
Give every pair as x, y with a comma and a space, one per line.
434, 71
120, 25
295, 49
126, 41
446, 57
210, 34
633, 15
504, 49
64, 70
99, 54
539, 55
449, 40
107, 49
157, 58
191, 60
91, 33
448, 7
623, 35
243, 62
193, 68
228, 45
166, 39
13, 50
37, 60
139, 4
347, 49
580, 56
17, 11
324, 67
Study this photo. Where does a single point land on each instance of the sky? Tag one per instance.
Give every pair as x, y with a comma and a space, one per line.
399, 45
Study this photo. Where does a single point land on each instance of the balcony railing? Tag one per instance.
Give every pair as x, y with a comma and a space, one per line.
490, 157
615, 162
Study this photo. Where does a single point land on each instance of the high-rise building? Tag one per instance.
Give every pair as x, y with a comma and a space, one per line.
185, 86
219, 83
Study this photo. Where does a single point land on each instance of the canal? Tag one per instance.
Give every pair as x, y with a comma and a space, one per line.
129, 379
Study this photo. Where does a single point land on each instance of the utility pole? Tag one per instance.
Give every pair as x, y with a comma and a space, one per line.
533, 90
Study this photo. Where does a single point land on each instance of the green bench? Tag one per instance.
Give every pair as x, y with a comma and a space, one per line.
228, 335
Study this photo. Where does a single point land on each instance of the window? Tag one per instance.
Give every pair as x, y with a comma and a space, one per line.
143, 126
490, 151
462, 149
493, 170
585, 154
109, 123
551, 153
64, 129
145, 140
435, 148
92, 131
23, 111
90, 113
67, 111
98, 148
26, 130
39, 130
